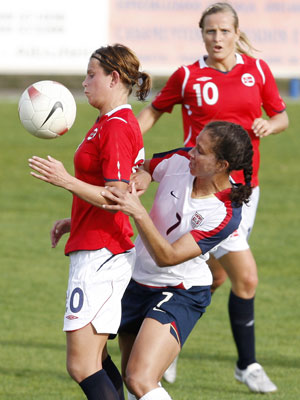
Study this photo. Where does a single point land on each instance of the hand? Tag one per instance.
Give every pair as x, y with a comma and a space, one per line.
50, 170
142, 180
127, 202
262, 127
60, 227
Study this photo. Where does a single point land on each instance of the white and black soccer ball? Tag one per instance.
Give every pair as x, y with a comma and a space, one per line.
47, 109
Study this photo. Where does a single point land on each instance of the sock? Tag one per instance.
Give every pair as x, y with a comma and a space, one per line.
130, 396
157, 394
114, 375
241, 313
99, 387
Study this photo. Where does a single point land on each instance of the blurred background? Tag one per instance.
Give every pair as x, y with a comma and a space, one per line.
53, 40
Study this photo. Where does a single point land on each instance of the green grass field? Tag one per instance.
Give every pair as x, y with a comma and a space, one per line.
34, 276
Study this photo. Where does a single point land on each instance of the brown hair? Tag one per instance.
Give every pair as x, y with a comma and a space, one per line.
123, 60
243, 45
232, 143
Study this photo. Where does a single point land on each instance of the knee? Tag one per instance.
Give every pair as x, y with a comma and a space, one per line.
75, 371
245, 286
137, 383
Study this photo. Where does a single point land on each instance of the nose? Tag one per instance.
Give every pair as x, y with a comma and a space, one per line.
84, 83
217, 36
191, 152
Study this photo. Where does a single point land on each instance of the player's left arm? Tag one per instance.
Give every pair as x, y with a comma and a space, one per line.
272, 103
164, 253
275, 124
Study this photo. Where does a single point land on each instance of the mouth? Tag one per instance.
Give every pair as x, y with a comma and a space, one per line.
218, 48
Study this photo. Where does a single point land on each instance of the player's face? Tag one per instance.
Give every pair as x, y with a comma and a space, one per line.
203, 162
96, 84
219, 36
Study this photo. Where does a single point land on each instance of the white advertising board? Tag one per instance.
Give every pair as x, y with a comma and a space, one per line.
57, 36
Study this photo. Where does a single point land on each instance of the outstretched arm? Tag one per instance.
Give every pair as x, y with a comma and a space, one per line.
53, 171
148, 117
164, 253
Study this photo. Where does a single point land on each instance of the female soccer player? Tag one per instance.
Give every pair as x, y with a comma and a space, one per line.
231, 85
101, 252
195, 208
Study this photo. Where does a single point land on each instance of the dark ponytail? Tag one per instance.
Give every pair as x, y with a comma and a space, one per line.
232, 143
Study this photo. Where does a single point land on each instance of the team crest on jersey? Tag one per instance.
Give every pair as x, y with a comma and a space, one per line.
248, 80
196, 220
93, 134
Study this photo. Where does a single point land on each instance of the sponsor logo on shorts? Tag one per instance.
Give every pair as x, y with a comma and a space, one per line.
196, 220
71, 317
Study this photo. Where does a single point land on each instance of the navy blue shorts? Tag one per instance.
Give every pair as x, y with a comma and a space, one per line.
179, 307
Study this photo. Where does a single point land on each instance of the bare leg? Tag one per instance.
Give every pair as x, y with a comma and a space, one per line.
218, 273
153, 351
84, 363
84, 352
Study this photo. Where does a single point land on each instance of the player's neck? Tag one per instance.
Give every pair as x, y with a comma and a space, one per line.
222, 64
203, 187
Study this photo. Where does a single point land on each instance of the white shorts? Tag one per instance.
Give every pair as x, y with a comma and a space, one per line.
238, 240
97, 281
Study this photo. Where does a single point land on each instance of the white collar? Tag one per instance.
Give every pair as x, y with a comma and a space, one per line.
118, 108
202, 63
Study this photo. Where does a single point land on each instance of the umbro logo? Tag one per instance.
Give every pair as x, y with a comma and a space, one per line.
56, 105
204, 79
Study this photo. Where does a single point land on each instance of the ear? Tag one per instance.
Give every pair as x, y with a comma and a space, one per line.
115, 78
223, 165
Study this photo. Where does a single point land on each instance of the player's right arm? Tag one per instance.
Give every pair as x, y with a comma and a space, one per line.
148, 117
164, 101
59, 228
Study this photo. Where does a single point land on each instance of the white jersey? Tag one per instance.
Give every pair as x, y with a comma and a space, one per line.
210, 220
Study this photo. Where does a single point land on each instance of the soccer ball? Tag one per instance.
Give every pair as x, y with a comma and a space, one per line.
47, 109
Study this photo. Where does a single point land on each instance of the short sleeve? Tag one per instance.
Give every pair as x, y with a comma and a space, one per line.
272, 101
116, 151
217, 227
171, 93
159, 163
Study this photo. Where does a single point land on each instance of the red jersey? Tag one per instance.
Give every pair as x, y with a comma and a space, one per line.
111, 150
237, 96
